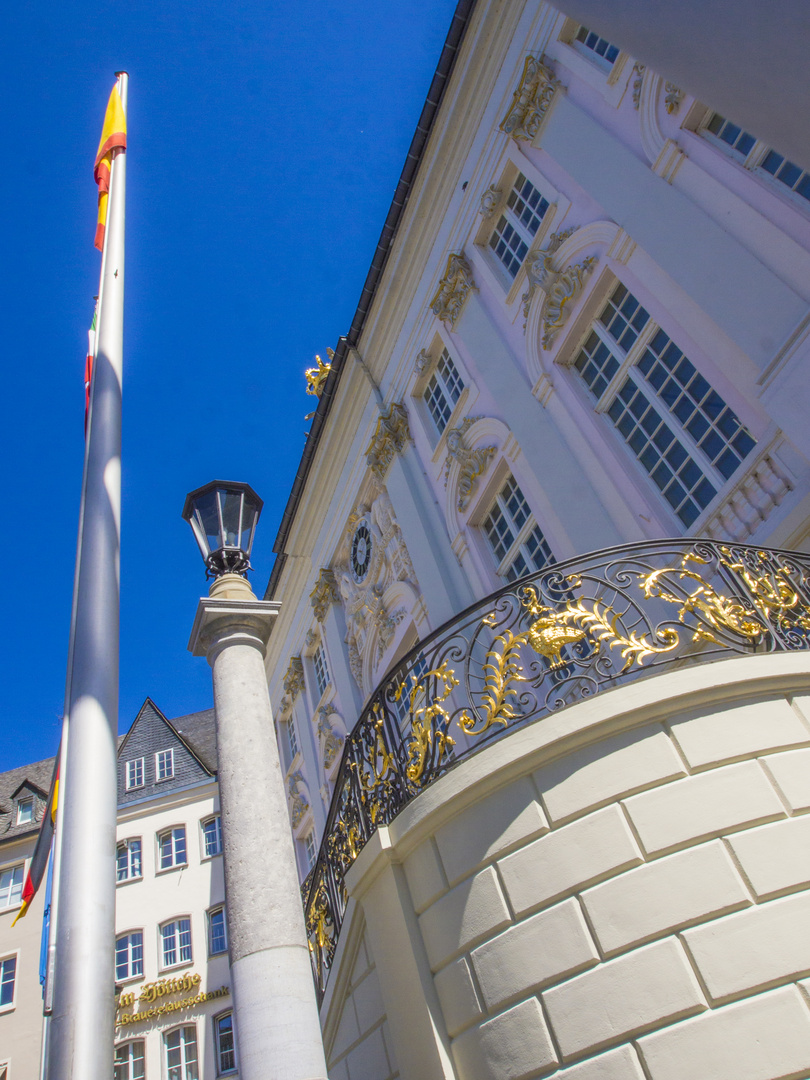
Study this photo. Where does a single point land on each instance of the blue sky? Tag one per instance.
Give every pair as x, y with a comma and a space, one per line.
265, 142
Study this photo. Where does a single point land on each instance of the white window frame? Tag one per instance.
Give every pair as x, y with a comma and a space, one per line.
118, 1066
4, 960
15, 888
589, 51
133, 961
26, 811
217, 1047
310, 849
753, 158
292, 737
628, 358
219, 909
181, 1070
320, 666
175, 863
128, 845
164, 937
132, 770
515, 180
528, 537
444, 389
162, 757
216, 821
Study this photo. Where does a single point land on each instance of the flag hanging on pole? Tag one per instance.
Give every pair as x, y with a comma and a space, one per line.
39, 860
88, 365
113, 137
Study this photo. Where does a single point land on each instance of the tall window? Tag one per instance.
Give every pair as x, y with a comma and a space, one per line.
212, 836
134, 773
224, 1044
181, 1053
321, 669
11, 883
175, 940
681, 431
164, 764
217, 932
514, 537
129, 1061
443, 391
8, 975
128, 860
292, 738
25, 811
597, 45
128, 955
172, 847
758, 156
311, 849
518, 224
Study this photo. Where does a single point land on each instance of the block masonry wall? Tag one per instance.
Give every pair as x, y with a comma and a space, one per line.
634, 908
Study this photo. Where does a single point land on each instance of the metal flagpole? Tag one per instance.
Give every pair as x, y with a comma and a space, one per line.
81, 1030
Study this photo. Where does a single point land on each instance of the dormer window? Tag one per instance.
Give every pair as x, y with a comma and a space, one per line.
25, 811
134, 773
164, 764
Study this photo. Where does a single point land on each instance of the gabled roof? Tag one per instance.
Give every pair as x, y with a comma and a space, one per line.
38, 778
197, 732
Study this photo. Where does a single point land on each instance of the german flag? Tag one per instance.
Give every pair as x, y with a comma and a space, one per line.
39, 860
113, 137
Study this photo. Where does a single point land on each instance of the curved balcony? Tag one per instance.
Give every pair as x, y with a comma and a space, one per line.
544, 642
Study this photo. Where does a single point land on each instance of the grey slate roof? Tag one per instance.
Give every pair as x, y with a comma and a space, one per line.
197, 730
38, 777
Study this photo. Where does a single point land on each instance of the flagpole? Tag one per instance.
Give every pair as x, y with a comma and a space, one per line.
81, 1029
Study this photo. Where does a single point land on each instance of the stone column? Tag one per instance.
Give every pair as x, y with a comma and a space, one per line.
277, 1024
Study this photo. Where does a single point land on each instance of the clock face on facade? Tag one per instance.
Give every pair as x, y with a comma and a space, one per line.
361, 551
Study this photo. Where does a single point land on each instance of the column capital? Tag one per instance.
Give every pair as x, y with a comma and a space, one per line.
231, 611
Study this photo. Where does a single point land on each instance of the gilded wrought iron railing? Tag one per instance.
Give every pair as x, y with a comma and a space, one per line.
546, 641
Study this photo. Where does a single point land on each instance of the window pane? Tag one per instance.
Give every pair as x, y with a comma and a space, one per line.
226, 1056
216, 925
8, 973
443, 391
518, 225
11, 883
212, 836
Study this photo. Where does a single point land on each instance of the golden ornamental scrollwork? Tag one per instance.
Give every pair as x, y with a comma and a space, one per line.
716, 612
772, 591
454, 288
531, 100
423, 714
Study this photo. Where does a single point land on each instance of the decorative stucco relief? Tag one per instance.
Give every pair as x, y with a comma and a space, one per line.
490, 201
531, 100
298, 802
454, 288
390, 437
324, 594
423, 360
560, 286
366, 579
331, 740
294, 678
673, 96
473, 463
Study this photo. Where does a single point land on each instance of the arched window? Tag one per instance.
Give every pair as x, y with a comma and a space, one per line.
180, 1047
129, 1061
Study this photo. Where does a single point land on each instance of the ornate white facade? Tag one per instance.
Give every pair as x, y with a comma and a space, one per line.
591, 330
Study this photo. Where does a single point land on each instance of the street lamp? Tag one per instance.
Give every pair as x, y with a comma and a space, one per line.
277, 1025
223, 518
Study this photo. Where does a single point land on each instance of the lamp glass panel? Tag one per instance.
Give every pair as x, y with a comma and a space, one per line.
208, 516
231, 518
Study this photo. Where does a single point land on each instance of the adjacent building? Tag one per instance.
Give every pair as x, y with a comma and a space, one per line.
539, 676
175, 1017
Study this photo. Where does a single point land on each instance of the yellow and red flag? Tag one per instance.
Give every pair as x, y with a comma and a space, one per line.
113, 137
39, 860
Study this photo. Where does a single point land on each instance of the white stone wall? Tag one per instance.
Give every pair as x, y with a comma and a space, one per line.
358, 1040
621, 890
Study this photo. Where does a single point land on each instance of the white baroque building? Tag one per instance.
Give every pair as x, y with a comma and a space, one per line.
539, 678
